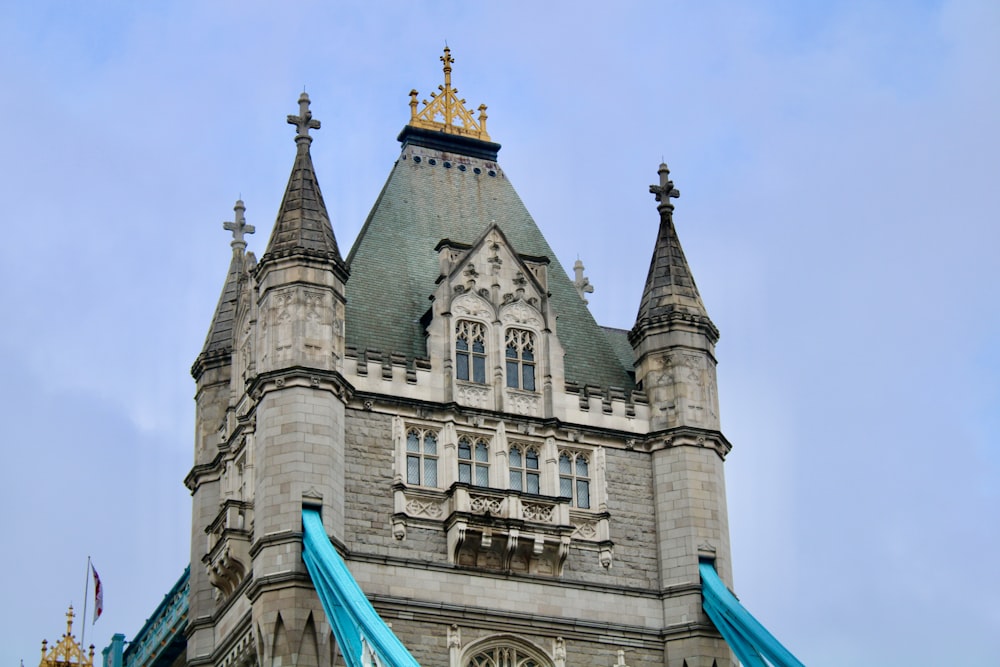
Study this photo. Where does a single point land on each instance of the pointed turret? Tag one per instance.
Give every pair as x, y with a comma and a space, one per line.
674, 344
303, 224
670, 291
672, 330
299, 392
219, 341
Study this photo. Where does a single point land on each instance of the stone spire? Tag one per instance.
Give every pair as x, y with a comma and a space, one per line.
670, 292
220, 338
303, 225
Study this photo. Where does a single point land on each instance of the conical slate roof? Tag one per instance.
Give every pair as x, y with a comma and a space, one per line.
303, 224
670, 290
219, 341
394, 264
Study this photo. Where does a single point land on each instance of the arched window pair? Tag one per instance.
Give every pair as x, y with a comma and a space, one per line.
421, 457
470, 355
523, 462
574, 478
473, 461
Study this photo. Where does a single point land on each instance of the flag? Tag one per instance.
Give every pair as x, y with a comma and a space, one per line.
98, 595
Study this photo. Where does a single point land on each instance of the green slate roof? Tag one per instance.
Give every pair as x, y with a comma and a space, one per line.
394, 265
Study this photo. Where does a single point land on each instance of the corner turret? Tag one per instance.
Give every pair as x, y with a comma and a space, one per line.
673, 337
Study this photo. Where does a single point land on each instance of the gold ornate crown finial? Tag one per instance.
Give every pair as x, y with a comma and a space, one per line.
66, 652
446, 112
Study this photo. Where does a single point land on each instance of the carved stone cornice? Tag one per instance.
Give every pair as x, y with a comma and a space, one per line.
196, 476
676, 317
260, 585
300, 376
210, 360
688, 436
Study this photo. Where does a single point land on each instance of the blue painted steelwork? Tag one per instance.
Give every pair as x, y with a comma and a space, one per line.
750, 641
364, 638
161, 639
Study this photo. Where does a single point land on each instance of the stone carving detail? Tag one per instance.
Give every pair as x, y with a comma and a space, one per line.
428, 509
521, 313
483, 504
683, 386
474, 396
522, 404
284, 304
469, 305
318, 332
586, 531
537, 512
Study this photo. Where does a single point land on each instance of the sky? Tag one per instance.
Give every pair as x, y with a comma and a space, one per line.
837, 164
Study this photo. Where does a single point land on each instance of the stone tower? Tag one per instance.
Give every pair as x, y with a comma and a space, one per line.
511, 484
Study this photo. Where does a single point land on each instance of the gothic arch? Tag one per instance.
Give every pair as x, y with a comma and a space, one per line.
470, 305
504, 650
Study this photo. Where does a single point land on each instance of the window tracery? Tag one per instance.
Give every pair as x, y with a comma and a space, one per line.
520, 359
501, 656
421, 457
470, 351
525, 474
574, 478
473, 461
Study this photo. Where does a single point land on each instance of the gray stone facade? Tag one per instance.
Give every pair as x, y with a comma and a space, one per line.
501, 484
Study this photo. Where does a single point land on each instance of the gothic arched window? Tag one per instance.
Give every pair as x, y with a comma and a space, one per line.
520, 356
524, 473
470, 351
421, 457
574, 478
502, 656
473, 461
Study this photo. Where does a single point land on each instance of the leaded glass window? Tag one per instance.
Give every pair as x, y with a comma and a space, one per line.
473, 461
574, 478
470, 351
421, 457
520, 358
523, 464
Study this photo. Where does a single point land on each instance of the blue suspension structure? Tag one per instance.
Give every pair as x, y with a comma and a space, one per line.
363, 637
366, 641
750, 641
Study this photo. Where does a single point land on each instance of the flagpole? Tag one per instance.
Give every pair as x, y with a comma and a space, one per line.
86, 591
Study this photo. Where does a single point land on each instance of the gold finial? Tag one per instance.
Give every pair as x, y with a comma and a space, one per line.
66, 652
446, 112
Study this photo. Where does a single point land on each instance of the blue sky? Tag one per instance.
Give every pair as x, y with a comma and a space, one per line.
837, 165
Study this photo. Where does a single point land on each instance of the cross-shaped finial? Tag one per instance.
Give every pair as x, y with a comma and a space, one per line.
239, 227
665, 191
447, 60
304, 121
69, 621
